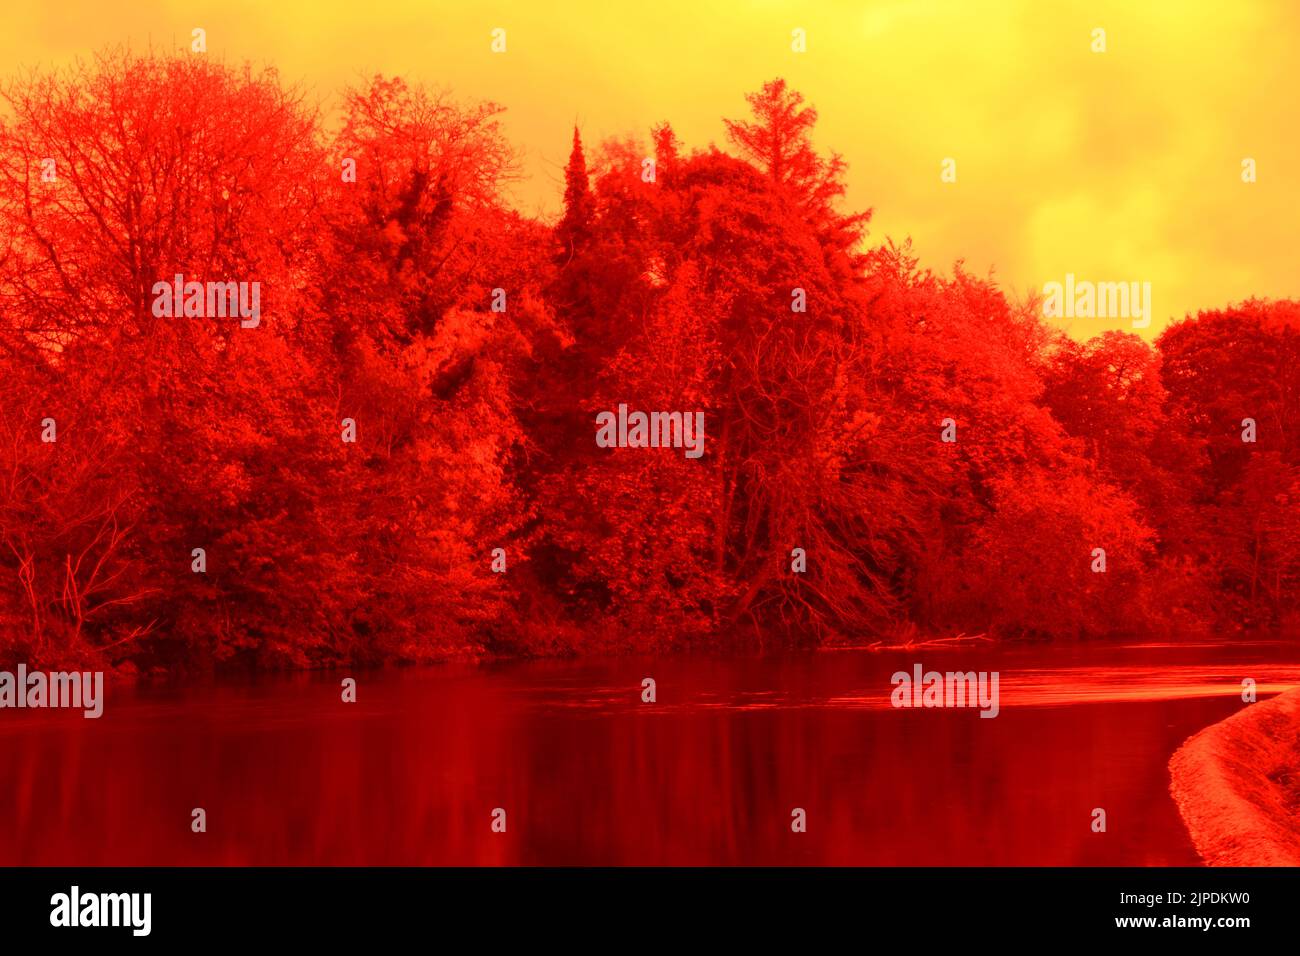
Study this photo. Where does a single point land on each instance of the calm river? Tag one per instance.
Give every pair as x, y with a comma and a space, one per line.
588, 774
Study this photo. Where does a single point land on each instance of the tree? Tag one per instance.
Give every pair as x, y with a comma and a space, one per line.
1223, 368
778, 141
574, 229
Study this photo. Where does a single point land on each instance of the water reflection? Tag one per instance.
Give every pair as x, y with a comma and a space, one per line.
589, 775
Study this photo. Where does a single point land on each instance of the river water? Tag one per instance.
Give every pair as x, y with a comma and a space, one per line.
411, 773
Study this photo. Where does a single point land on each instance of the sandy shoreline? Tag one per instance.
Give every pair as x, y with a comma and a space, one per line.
1237, 785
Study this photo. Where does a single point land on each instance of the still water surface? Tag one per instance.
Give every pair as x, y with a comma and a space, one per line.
587, 774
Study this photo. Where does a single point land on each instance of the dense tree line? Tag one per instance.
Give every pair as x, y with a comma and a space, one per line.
175, 492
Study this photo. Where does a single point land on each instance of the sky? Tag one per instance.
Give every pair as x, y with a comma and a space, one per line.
1122, 165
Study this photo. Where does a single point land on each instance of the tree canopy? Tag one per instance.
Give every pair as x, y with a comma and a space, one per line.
886, 450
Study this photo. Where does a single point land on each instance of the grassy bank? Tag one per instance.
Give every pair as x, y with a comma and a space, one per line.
1237, 786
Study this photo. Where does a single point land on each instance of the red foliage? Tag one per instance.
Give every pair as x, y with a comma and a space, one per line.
472, 348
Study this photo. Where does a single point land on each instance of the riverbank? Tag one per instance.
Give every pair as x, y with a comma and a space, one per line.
1237, 786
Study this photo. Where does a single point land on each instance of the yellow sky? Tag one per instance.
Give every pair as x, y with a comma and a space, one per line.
1114, 166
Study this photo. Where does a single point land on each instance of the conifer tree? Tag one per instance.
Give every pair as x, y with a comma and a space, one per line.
574, 230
